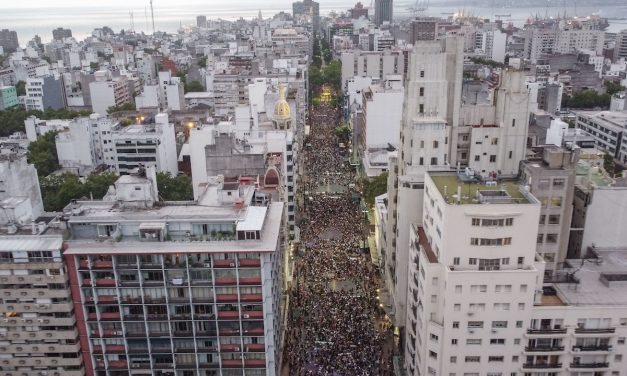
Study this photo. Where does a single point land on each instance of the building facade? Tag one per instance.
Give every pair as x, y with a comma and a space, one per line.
383, 11
179, 288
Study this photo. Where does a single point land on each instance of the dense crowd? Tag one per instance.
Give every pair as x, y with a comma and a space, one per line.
335, 324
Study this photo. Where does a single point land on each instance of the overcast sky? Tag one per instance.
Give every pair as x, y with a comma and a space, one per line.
5, 4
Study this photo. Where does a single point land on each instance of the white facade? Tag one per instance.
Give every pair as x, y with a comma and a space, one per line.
172, 96
20, 196
108, 92
146, 145
75, 147
383, 109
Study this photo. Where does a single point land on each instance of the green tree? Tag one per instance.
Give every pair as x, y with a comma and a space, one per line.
608, 163
21, 88
194, 86
98, 184
333, 75
125, 107
586, 99
612, 88
58, 190
374, 187
174, 188
202, 62
43, 154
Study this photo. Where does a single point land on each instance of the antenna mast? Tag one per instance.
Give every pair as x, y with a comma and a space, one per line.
152, 14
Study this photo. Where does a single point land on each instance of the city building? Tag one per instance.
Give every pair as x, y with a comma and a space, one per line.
177, 288
491, 44
607, 128
19, 186
8, 40
8, 97
152, 144
201, 21
550, 176
45, 92
423, 28
167, 94
309, 10
61, 33
488, 311
383, 11
107, 91
620, 48
358, 11
376, 65
382, 112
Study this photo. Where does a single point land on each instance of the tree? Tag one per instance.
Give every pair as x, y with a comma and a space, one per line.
612, 88
608, 163
59, 190
98, 184
586, 99
202, 62
12, 120
194, 86
43, 154
374, 187
125, 107
21, 88
174, 188
333, 75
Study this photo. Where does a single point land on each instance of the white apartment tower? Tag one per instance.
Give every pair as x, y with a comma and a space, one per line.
432, 100
472, 260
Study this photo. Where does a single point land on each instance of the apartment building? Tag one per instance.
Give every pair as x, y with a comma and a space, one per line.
374, 64
383, 11
8, 97
45, 92
381, 111
177, 288
107, 91
9, 41
151, 144
550, 176
607, 128
475, 240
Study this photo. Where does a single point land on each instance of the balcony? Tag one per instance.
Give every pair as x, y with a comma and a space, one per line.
206, 333
250, 281
542, 365
592, 348
547, 330
156, 333
249, 263
228, 315
255, 363
118, 365
255, 347
83, 265
129, 283
102, 264
138, 350
208, 365
229, 332
254, 315
224, 263
110, 316
205, 349
230, 348
251, 298
162, 349
181, 316
107, 299
157, 317
107, 282
86, 282
231, 363
115, 349
543, 348
226, 298
183, 333
226, 281
254, 332
595, 331
591, 366
107, 333
134, 317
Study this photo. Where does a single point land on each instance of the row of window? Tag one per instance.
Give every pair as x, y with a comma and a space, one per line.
484, 288
479, 324
493, 222
477, 307
491, 242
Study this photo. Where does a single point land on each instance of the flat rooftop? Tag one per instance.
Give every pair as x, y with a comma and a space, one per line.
602, 281
477, 192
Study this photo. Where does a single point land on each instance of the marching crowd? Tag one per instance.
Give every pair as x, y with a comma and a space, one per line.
335, 321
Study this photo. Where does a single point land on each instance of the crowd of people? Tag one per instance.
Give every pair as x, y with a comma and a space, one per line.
335, 323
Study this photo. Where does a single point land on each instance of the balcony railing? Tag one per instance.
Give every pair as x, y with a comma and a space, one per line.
594, 330
590, 365
547, 330
593, 348
542, 365
543, 348
249, 263
254, 363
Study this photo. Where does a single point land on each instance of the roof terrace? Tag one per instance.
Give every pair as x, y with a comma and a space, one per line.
475, 191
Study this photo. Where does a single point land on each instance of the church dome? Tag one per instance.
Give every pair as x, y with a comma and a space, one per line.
282, 108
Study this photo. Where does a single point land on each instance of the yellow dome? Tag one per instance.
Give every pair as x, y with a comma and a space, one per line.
282, 108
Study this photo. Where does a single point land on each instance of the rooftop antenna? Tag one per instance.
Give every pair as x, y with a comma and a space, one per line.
146, 15
152, 14
132, 21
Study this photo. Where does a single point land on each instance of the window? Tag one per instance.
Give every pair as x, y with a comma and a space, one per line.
422, 74
554, 219
513, 122
421, 161
489, 264
475, 324
433, 337
476, 222
618, 358
472, 261
495, 359
516, 341
501, 307
473, 359
620, 341
455, 260
475, 307
521, 306
453, 359
477, 158
434, 161
473, 341
435, 144
421, 108
551, 238
454, 341
505, 261
519, 324
542, 219
458, 289
493, 158
510, 154
523, 288
433, 354
540, 238
499, 324
422, 91
497, 341
521, 260
495, 141
455, 324
457, 307
558, 183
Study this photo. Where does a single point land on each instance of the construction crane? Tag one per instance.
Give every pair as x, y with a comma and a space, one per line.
419, 9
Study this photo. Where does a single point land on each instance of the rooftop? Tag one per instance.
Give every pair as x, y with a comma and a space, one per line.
478, 192
30, 243
602, 280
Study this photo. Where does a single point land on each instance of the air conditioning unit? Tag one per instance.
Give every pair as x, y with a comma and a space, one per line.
40, 320
471, 331
576, 349
494, 331
246, 316
232, 264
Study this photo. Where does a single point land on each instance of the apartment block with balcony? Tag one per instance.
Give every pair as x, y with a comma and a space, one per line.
38, 333
177, 288
472, 276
